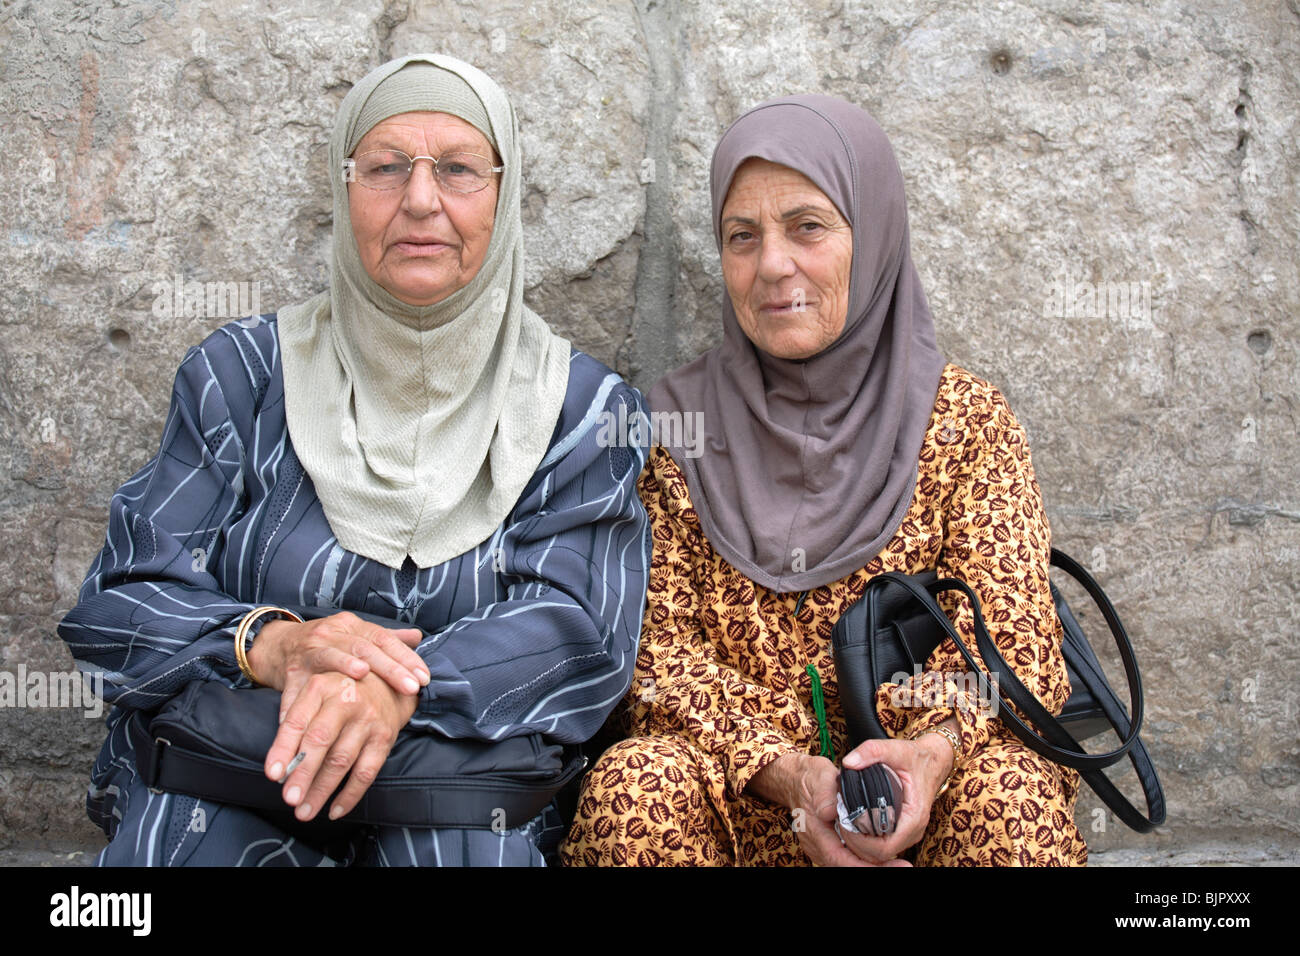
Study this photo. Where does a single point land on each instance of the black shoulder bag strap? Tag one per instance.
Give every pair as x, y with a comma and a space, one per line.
1087, 669
1056, 743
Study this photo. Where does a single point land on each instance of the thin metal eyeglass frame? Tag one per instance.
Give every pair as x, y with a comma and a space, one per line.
350, 166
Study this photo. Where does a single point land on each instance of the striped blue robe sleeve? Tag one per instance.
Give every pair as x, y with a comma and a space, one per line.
151, 616
558, 652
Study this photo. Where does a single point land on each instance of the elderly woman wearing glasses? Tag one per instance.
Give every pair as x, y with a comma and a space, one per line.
412, 443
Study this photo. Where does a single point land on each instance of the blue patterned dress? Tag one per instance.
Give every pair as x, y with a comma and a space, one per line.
535, 630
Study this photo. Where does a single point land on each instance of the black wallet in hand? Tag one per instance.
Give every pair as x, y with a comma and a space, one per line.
869, 798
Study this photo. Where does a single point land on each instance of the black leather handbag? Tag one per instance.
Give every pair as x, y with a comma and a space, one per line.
897, 623
211, 742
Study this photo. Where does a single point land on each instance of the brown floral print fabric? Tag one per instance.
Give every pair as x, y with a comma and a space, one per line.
722, 689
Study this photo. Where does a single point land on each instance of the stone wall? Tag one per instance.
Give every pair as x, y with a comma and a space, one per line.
1144, 151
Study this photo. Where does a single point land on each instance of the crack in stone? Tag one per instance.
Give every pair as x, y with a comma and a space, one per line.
395, 14
650, 347
1244, 513
1241, 161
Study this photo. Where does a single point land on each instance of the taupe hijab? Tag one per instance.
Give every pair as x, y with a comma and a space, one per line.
808, 466
421, 425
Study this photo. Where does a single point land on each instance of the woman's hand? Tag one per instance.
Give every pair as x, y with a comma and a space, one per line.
922, 765
808, 786
287, 654
339, 725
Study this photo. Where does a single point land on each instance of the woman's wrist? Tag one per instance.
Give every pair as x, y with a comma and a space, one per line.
777, 782
266, 654
942, 743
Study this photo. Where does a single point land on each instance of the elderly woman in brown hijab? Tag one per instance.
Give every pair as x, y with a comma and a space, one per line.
838, 445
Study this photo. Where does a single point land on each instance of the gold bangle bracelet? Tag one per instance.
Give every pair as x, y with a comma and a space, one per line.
955, 742
241, 635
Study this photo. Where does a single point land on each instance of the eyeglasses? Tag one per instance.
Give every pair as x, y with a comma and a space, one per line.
391, 168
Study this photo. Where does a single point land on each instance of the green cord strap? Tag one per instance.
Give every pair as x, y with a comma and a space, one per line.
819, 706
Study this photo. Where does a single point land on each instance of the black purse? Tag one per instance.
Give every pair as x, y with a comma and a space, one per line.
211, 742
896, 624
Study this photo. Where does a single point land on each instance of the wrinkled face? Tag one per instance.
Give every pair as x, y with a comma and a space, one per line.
420, 241
786, 259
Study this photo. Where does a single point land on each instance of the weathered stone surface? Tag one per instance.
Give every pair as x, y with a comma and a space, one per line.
1147, 149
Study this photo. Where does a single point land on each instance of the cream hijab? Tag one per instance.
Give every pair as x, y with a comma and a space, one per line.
421, 425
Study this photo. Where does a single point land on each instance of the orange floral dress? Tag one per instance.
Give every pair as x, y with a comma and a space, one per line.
722, 685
